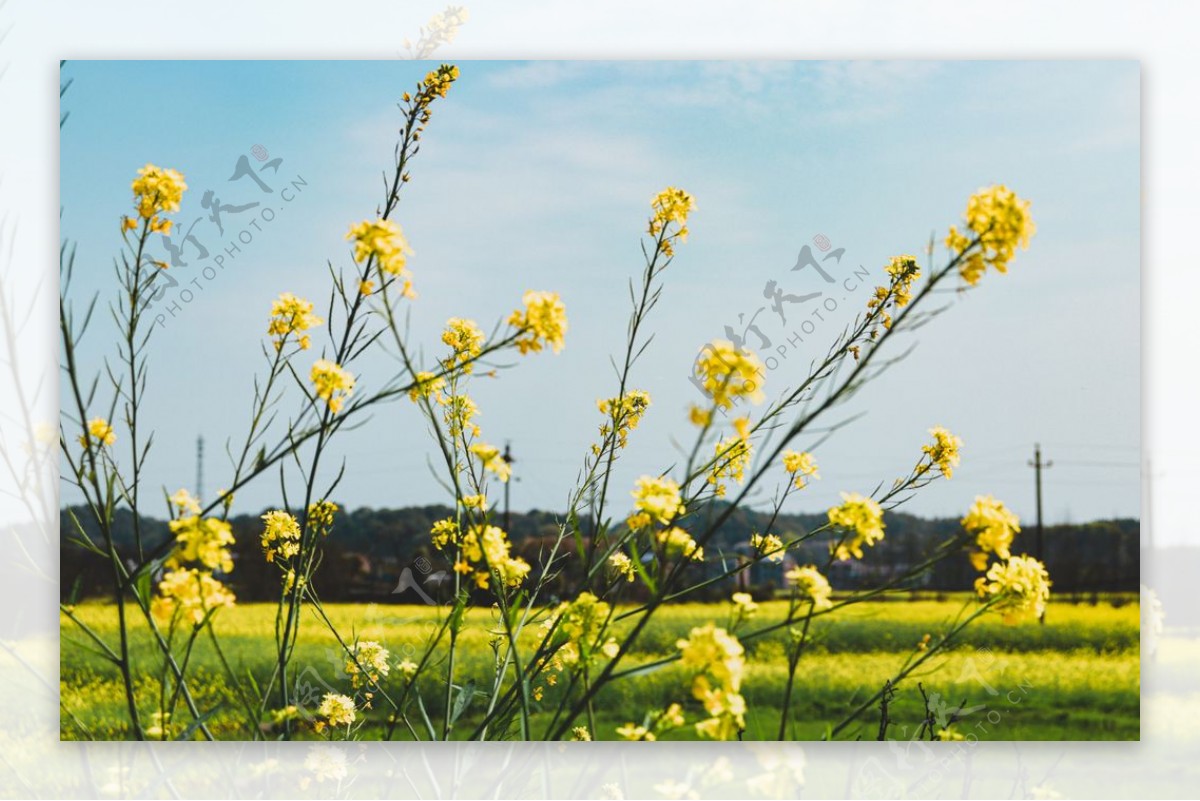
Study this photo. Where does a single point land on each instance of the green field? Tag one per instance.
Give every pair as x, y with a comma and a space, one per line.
1075, 678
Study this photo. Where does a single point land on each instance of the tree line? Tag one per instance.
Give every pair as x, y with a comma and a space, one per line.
384, 555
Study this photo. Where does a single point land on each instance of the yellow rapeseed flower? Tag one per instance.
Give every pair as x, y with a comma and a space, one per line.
1017, 588
332, 383
729, 374
993, 526
337, 710
99, 430
292, 315
465, 340
320, 515
157, 191
444, 532
383, 241
732, 456
493, 461
862, 519
810, 586
942, 452
637, 733
281, 535
437, 83
744, 604
768, 545
622, 565
427, 385
659, 498
670, 206
190, 593
367, 663
623, 414
185, 502
1001, 222
204, 541
459, 413
801, 465
716, 659
677, 542
542, 323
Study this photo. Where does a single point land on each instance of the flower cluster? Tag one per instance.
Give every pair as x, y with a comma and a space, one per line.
465, 341
201, 547
862, 520
436, 84
676, 543
580, 624
654, 724
768, 545
657, 500
483, 551
384, 242
728, 374
732, 456
185, 502
810, 586
459, 413
942, 452
801, 466
903, 272
202, 540
335, 710
993, 526
332, 383
443, 532
320, 515
743, 605
1001, 223
441, 29
427, 385
367, 663
493, 461
191, 593
156, 191
292, 315
1017, 588
281, 535
623, 415
98, 429
160, 725
542, 323
622, 565
670, 206
715, 657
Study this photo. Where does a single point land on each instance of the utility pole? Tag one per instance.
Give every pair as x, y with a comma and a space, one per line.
508, 459
1038, 465
200, 468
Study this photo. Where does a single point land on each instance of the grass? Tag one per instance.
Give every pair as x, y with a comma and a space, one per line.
1076, 677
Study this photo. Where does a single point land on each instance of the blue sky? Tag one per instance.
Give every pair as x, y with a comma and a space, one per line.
539, 175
